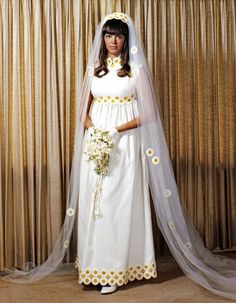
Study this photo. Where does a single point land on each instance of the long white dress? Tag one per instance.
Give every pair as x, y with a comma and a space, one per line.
117, 247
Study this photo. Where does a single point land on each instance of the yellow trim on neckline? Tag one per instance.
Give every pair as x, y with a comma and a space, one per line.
113, 62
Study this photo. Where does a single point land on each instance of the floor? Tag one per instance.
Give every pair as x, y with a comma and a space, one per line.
170, 286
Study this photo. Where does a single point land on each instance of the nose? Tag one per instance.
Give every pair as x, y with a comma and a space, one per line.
113, 39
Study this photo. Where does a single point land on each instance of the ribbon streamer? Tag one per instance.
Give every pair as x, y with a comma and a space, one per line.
97, 213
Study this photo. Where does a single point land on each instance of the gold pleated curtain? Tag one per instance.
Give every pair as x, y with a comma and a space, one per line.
44, 48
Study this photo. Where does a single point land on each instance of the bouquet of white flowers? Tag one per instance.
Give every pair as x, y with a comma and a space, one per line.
99, 148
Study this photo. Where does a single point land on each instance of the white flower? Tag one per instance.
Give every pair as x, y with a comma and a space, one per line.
66, 243
155, 160
134, 72
188, 245
118, 15
95, 280
149, 152
99, 149
167, 193
133, 50
90, 71
70, 212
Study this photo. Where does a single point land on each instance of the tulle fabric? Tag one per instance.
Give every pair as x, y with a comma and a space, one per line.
215, 273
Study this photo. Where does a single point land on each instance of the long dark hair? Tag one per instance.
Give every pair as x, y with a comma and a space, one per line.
114, 27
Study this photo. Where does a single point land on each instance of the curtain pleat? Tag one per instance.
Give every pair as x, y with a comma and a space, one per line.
44, 47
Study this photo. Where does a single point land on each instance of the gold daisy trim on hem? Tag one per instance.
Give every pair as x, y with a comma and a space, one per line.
114, 276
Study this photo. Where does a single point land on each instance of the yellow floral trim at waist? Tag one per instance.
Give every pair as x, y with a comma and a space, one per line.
113, 100
114, 276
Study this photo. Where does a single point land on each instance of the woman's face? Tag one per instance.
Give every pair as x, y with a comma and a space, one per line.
114, 44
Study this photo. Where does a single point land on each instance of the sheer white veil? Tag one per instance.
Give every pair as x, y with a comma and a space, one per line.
215, 273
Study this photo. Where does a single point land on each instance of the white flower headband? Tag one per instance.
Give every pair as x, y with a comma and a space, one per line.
117, 15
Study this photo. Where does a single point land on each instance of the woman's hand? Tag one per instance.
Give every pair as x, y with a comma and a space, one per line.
114, 133
129, 125
90, 131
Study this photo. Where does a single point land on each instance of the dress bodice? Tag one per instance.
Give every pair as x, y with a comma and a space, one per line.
111, 85
114, 101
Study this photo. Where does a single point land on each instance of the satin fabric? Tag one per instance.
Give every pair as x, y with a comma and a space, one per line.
121, 240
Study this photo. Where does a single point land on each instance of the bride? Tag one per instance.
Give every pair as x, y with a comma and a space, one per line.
115, 242
115, 245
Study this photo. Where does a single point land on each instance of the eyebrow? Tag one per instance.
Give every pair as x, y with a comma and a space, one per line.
114, 34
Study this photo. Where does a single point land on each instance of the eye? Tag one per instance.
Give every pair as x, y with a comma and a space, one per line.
121, 36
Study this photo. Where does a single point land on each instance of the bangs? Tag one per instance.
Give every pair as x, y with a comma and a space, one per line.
113, 31
115, 27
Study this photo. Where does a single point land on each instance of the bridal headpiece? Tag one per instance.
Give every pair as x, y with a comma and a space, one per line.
117, 15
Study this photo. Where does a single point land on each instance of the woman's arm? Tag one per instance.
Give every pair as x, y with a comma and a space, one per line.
88, 121
129, 125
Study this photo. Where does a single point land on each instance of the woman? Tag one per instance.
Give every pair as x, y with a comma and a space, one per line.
215, 273
118, 245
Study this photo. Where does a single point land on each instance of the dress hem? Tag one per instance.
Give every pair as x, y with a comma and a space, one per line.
119, 277
124, 283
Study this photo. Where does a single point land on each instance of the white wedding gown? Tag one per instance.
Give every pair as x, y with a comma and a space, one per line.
117, 247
